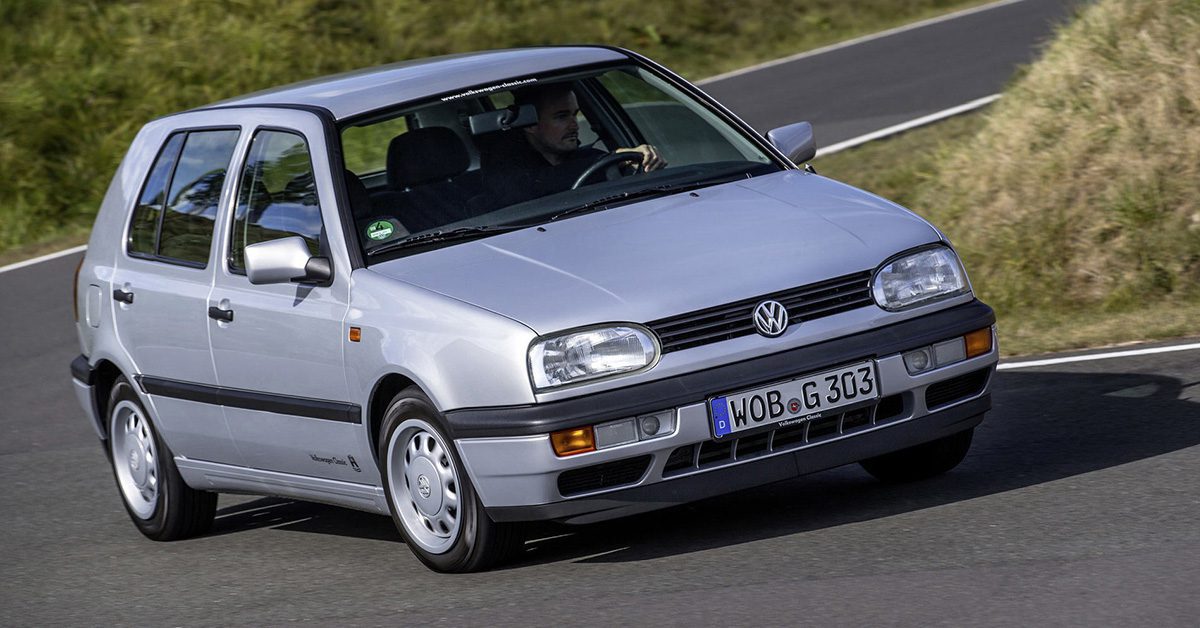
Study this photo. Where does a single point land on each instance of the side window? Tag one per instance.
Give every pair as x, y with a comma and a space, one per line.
143, 232
191, 210
278, 196
177, 210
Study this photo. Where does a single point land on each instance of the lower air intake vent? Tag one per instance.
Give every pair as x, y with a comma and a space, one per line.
604, 475
714, 453
955, 389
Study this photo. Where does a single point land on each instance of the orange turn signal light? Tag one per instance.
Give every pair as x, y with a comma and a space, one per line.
355, 334
979, 342
579, 440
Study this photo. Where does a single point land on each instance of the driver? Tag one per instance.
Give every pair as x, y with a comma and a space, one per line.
548, 158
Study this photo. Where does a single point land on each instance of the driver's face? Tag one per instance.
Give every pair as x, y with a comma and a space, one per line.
557, 130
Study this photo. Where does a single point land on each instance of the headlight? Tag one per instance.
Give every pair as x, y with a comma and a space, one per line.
919, 278
590, 354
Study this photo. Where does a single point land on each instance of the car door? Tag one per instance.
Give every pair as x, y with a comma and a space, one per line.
160, 287
278, 348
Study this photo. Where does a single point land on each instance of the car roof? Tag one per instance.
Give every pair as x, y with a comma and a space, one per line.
360, 91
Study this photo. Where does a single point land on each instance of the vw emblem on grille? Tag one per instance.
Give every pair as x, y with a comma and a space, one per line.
770, 318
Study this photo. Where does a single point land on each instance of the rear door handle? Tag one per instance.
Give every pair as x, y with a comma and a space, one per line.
124, 296
217, 313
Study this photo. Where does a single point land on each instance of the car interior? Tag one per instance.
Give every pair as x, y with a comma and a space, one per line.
427, 167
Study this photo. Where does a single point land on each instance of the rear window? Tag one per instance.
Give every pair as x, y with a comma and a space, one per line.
177, 210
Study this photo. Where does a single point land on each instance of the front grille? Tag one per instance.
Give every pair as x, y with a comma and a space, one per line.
712, 453
603, 475
732, 320
955, 389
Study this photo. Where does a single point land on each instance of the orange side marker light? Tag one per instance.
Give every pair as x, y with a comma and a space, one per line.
577, 440
979, 342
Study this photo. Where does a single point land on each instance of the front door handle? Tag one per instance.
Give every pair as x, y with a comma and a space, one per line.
124, 296
217, 313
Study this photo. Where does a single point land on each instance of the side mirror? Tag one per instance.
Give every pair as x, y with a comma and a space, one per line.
796, 141
286, 260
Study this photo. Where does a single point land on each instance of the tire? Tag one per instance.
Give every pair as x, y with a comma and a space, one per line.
921, 461
429, 494
158, 501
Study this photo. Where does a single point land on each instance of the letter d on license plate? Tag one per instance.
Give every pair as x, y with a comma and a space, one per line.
801, 399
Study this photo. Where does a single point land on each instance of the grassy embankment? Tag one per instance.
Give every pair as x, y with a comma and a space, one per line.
1075, 199
78, 79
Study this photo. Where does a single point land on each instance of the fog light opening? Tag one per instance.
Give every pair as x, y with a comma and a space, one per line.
918, 361
650, 425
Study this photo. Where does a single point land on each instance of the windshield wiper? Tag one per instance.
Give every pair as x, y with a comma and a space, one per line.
657, 190
452, 235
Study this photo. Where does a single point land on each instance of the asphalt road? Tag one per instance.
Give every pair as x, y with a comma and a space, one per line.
1077, 504
876, 84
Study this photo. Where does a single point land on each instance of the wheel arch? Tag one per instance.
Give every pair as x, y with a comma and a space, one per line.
106, 374
382, 394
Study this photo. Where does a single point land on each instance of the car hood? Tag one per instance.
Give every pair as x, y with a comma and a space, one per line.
666, 256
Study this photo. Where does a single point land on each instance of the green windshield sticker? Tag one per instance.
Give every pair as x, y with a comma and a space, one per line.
380, 230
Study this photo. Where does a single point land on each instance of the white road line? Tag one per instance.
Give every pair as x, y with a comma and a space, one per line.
911, 124
858, 40
44, 258
1097, 356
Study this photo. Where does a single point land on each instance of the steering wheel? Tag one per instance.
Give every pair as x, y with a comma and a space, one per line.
606, 161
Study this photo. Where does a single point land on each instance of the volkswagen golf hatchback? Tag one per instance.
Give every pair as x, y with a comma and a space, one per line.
473, 291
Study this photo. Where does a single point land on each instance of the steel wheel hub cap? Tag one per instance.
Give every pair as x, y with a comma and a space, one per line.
424, 486
133, 438
419, 473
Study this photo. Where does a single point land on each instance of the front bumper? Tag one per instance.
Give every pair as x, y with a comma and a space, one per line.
518, 477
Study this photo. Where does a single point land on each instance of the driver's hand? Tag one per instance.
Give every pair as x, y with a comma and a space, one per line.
650, 157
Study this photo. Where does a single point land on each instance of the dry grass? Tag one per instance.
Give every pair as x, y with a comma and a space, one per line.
1082, 191
1043, 330
1075, 199
898, 167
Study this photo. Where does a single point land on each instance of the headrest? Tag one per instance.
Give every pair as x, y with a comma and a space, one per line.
424, 155
360, 200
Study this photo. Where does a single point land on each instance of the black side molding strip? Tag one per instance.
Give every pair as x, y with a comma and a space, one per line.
82, 371
252, 400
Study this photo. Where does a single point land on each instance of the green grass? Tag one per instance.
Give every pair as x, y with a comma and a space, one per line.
77, 79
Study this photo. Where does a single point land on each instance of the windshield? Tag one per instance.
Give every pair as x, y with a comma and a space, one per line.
495, 158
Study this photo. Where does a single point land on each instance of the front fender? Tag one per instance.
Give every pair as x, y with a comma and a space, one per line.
461, 355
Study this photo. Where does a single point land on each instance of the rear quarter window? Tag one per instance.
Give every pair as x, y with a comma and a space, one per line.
143, 232
176, 212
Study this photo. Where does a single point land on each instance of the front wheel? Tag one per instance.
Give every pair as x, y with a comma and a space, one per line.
430, 496
160, 504
921, 461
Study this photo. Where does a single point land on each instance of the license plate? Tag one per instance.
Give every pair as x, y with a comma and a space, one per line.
802, 399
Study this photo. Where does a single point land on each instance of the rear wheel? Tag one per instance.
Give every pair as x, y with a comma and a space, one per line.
160, 504
921, 461
429, 494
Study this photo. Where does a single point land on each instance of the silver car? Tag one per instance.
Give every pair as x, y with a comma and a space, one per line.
558, 284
